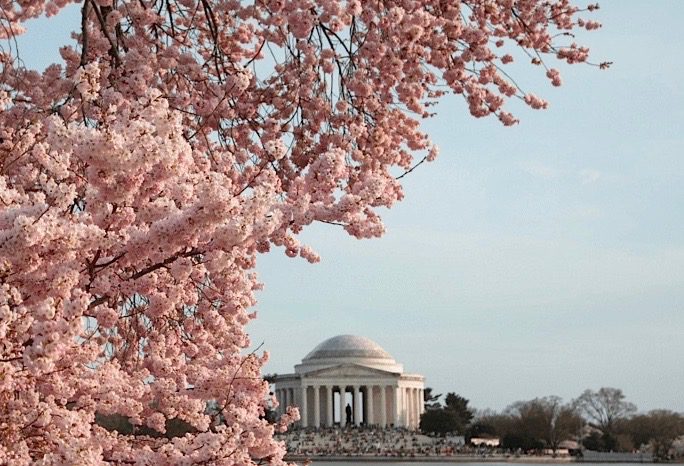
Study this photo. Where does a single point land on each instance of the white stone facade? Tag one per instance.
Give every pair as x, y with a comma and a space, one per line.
369, 379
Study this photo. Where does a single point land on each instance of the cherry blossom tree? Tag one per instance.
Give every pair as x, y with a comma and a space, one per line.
178, 139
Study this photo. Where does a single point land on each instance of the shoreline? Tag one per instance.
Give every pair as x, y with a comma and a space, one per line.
458, 459
433, 459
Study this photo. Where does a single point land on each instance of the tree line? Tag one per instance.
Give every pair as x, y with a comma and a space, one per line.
601, 420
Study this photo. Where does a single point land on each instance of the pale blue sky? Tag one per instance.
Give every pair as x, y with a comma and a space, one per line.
535, 260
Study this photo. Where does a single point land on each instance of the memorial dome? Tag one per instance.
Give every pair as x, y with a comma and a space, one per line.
348, 346
348, 349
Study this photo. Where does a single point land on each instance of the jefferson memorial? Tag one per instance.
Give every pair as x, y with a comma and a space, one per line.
351, 379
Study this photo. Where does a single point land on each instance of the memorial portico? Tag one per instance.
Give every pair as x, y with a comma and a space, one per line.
355, 371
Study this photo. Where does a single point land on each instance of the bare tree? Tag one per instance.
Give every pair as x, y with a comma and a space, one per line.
561, 421
546, 419
658, 428
605, 408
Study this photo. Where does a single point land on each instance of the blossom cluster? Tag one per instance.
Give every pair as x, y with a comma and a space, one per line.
177, 140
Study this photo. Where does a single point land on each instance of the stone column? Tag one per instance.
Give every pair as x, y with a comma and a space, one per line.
404, 411
409, 420
407, 407
329, 414
421, 394
317, 406
418, 403
406, 394
397, 407
414, 407
383, 406
358, 414
411, 407
343, 416
303, 408
369, 405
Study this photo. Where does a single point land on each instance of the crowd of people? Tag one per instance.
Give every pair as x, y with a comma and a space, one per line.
373, 442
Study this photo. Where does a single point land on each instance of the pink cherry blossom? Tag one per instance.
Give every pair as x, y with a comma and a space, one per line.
142, 175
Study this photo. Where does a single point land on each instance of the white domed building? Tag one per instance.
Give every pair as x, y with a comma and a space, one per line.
354, 371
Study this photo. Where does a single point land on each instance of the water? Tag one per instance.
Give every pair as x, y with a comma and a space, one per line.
516, 462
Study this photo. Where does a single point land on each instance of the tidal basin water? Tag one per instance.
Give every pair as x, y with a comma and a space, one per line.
459, 463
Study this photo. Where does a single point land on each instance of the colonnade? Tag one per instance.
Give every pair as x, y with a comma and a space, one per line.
285, 397
372, 404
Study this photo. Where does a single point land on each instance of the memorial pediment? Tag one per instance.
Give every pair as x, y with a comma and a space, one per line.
350, 370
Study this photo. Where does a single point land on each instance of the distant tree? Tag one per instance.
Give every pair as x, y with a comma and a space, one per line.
610, 442
521, 441
546, 421
605, 408
527, 420
488, 423
174, 427
431, 401
481, 428
560, 421
658, 429
458, 407
599, 441
438, 421
453, 417
593, 441
270, 415
115, 423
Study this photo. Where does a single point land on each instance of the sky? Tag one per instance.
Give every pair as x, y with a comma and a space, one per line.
543, 259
